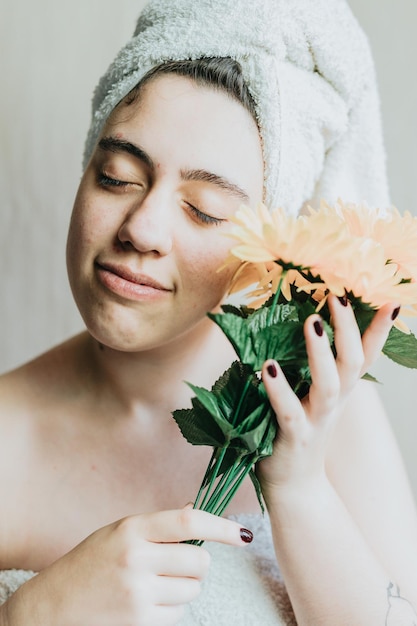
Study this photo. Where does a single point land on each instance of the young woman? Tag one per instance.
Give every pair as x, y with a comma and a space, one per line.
99, 478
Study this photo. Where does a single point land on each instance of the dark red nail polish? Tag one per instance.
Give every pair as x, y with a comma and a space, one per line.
395, 313
318, 327
343, 300
246, 535
272, 370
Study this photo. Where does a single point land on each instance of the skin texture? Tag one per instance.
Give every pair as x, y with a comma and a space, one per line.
175, 247
88, 440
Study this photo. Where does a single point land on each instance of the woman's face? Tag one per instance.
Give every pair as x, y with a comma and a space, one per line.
150, 221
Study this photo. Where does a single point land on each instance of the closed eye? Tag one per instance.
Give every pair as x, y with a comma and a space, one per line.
203, 217
105, 181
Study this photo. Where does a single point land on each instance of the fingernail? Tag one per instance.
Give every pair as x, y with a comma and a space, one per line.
395, 312
343, 300
318, 327
272, 371
246, 535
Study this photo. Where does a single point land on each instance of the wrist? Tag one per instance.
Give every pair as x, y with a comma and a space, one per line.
313, 491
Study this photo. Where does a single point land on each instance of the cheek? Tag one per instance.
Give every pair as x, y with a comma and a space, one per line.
202, 274
87, 227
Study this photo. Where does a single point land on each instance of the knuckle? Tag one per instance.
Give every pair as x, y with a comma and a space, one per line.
353, 364
330, 394
186, 521
125, 527
358, 363
130, 548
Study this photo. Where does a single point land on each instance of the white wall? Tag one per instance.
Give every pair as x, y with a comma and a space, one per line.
390, 25
51, 54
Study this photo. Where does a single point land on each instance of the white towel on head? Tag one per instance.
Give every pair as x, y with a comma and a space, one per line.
308, 66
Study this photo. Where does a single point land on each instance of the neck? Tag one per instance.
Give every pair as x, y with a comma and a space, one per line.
154, 381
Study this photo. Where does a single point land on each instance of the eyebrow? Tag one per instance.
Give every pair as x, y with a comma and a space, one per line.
113, 144
215, 179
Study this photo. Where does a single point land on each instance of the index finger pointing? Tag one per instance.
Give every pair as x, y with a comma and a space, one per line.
185, 524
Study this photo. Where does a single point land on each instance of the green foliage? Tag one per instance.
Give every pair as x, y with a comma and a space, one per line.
401, 348
257, 335
235, 417
220, 418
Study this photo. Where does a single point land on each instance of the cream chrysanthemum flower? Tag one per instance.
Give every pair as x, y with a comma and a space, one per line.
342, 249
395, 232
291, 242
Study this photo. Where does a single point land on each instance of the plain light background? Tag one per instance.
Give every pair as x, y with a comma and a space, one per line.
51, 56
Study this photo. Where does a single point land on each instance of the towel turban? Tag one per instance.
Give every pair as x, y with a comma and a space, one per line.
309, 68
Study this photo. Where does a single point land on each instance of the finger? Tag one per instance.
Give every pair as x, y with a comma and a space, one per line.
376, 334
175, 591
348, 342
180, 559
185, 524
165, 614
287, 407
325, 386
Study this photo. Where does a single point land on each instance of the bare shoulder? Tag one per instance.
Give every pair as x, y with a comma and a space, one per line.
30, 395
49, 374
32, 398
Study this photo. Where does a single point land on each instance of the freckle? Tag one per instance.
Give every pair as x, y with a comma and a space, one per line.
101, 347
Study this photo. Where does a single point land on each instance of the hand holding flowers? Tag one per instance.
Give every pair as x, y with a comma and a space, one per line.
365, 258
307, 424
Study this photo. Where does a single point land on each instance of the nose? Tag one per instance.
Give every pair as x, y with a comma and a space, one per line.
147, 227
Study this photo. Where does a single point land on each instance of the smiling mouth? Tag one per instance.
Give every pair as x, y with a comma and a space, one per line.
128, 284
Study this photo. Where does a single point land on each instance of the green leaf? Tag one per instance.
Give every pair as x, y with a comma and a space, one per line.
363, 314
371, 378
255, 339
401, 348
284, 342
208, 401
303, 309
232, 457
228, 389
211, 420
242, 311
197, 428
258, 489
250, 441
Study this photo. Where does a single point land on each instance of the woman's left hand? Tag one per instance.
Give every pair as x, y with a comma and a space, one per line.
305, 426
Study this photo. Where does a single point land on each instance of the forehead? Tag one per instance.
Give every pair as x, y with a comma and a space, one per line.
179, 122
171, 91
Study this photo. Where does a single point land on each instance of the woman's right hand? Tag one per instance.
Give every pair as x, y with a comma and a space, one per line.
134, 572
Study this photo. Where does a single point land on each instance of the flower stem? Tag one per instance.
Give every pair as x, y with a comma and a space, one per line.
244, 469
214, 474
241, 400
275, 300
222, 486
205, 479
215, 496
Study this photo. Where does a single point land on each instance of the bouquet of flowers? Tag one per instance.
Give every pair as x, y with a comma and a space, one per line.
357, 253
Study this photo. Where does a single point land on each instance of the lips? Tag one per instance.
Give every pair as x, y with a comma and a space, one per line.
129, 284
